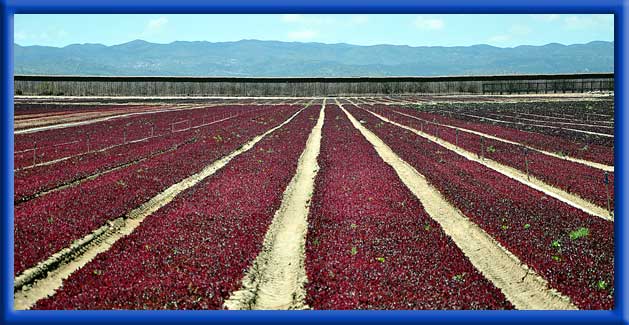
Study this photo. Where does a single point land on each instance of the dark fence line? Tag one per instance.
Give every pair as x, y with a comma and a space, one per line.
303, 87
549, 86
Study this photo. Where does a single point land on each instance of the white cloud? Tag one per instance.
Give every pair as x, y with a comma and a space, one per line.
302, 35
153, 27
427, 23
292, 18
52, 34
501, 38
20, 36
155, 24
574, 22
520, 29
588, 21
515, 32
308, 20
607, 19
359, 19
547, 17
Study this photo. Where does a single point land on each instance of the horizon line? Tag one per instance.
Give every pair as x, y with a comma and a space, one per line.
298, 42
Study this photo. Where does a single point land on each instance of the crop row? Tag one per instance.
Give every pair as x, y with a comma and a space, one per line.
193, 253
31, 181
605, 129
46, 224
54, 120
28, 110
595, 153
133, 126
543, 112
570, 249
526, 121
577, 110
63, 116
588, 125
584, 181
45, 118
563, 133
370, 243
593, 121
56, 143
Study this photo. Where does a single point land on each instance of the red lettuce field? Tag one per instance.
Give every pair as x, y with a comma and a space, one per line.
376, 223
533, 226
370, 243
212, 231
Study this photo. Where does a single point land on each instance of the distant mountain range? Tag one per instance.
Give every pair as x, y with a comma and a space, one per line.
273, 58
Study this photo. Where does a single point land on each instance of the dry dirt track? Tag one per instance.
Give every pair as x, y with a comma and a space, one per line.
276, 279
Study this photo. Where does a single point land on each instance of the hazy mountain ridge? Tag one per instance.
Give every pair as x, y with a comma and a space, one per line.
273, 58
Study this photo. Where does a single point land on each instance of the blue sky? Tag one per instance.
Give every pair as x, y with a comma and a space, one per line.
413, 30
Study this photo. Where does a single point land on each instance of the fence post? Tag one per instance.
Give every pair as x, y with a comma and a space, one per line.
152, 130
482, 147
34, 153
124, 135
88, 144
606, 181
526, 163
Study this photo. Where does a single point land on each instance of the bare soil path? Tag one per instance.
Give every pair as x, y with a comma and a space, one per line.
277, 277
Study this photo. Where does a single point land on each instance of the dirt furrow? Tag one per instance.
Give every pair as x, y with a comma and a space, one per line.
548, 153
103, 119
101, 173
522, 286
64, 118
566, 119
555, 122
513, 173
276, 278
538, 125
46, 277
107, 171
50, 162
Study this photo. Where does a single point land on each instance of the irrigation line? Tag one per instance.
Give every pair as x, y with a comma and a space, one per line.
548, 153
559, 194
50, 162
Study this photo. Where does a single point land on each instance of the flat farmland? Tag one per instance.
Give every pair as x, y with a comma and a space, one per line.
383, 202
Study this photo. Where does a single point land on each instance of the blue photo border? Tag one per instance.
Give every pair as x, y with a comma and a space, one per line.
8, 8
